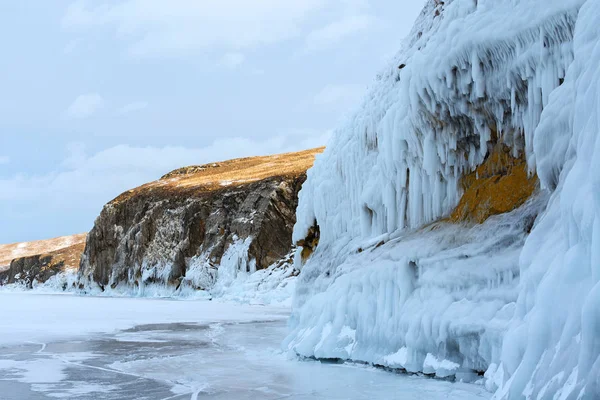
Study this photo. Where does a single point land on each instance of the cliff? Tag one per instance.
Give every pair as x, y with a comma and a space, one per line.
36, 262
196, 225
451, 226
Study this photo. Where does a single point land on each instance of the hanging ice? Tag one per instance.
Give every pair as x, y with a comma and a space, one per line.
384, 287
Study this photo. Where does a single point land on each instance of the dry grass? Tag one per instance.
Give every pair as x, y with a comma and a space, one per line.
65, 246
226, 174
69, 256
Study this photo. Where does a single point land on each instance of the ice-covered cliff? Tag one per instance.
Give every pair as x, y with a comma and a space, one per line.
484, 98
209, 227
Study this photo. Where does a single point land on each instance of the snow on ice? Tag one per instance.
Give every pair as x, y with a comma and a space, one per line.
65, 346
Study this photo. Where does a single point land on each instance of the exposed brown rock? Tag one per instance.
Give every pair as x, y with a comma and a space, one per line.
501, 184
310, 243
152, 233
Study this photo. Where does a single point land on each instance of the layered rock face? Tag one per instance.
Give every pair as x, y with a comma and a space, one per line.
181, 229
37, 262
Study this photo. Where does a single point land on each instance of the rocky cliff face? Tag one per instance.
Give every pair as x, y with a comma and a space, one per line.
37, 262
181, 229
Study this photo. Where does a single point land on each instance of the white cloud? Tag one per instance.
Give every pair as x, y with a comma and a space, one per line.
232, 60
133, 107
344, 96
310, 139
91, 180
335, 32
156, 26
85, 106
68, 200
4, 160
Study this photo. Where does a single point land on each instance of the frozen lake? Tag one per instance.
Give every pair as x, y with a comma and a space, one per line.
61, 346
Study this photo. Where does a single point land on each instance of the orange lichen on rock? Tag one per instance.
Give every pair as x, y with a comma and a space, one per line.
501, 184
310, 243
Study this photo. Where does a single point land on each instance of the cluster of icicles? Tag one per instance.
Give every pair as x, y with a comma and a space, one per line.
471, 74
433, 117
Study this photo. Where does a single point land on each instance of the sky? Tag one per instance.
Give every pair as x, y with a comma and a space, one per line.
102, 96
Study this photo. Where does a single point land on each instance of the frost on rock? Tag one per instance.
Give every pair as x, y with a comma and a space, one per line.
515, 300
187, 233
235, 278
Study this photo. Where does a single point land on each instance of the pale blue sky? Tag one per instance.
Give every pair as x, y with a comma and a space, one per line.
101, 96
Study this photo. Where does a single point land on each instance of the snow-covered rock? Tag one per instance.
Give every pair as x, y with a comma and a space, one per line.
515, 300
35, 263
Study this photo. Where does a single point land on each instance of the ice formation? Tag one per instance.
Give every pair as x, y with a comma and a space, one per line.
386, 286
234, 279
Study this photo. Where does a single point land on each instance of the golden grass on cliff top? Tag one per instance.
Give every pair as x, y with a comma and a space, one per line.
220, 175
67, 247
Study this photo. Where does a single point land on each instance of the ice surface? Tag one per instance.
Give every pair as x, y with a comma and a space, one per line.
43, 317
227, 353
383, 287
